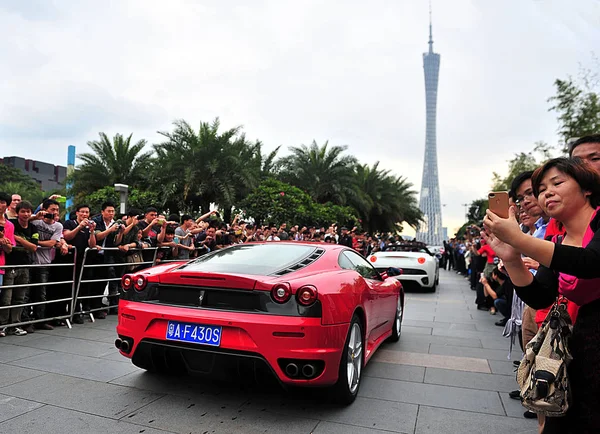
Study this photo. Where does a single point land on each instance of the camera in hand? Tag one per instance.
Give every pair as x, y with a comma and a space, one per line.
49, 215
1, 228
141, 217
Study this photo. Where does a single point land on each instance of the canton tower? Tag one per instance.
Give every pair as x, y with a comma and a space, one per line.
430, 230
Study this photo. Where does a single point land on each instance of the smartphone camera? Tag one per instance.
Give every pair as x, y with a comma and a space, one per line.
49, 215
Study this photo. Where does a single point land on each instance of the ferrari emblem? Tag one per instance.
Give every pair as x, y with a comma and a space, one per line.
201, 298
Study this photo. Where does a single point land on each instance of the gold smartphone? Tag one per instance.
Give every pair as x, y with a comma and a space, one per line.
498, 203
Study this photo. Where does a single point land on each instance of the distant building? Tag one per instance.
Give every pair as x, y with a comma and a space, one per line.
49, 176
445, 233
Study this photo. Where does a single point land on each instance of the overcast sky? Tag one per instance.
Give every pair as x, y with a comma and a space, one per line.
292, 71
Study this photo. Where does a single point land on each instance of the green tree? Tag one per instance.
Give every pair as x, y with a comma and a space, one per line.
118, 161
578, 109
140, 199
277, 202
13, 181
384, 202
194, 169
521, 162
322, 171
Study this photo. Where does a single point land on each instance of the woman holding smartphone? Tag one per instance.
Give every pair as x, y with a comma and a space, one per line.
569, 191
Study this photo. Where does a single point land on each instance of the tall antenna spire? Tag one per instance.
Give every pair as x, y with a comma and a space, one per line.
430, 30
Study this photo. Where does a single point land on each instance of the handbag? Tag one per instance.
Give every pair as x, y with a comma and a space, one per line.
134, 258
542, 374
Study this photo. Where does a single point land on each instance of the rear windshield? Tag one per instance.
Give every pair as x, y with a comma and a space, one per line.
256, 259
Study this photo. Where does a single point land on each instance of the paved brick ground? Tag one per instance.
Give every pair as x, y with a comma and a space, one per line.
448, 374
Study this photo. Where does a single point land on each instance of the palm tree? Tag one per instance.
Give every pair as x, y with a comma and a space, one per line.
203, 167
118, 161
384, 201
323, 172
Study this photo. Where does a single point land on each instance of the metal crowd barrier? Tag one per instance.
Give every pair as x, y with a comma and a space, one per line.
108, 295
75, 299
67, 316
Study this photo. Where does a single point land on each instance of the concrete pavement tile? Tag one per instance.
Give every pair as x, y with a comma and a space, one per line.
512, 407
498, 344
419, 323
364, 412
338, 428
395, 372
417, 316
432, 395
415, 330
442, 340
110, 326
77, 366
405, 344
470, 380
115, 356
204, 413
49, 419
19, 340
71, 345
101, 399
463, 317
12, 407
470, 352
88, 333
184, 386
503, 367
433, 361
10, 353
441, 421
13, 374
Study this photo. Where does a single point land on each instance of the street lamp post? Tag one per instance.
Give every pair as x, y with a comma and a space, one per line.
123, 190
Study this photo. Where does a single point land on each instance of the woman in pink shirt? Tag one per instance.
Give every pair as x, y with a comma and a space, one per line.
7, 239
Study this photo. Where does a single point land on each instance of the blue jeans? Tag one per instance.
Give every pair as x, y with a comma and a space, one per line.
502, 307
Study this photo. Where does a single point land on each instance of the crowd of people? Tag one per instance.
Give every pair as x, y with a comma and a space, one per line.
113, 245
546, 252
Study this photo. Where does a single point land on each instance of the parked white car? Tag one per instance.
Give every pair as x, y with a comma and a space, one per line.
419, 265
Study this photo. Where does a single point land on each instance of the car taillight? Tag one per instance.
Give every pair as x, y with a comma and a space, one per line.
139, 282
373, 258
281, 293
421, 260
126, 282
306, 295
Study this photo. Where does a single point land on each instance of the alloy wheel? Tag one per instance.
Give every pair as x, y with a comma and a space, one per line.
399, 314
354, 360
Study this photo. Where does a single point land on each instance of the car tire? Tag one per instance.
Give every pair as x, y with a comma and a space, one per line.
345, 390
433, 287
397, 328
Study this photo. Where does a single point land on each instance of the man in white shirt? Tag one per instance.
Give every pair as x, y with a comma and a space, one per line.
50, 237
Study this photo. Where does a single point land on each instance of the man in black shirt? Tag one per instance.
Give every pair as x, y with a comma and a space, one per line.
345, 239
26, 238
80, 234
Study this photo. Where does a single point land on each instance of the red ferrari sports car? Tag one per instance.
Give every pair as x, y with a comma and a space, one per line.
312, 314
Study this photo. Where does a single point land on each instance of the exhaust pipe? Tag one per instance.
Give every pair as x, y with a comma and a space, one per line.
291, 370
118, 343
308, 370
124, 346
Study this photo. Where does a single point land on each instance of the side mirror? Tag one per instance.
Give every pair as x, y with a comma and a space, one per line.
384, 275
392, 271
